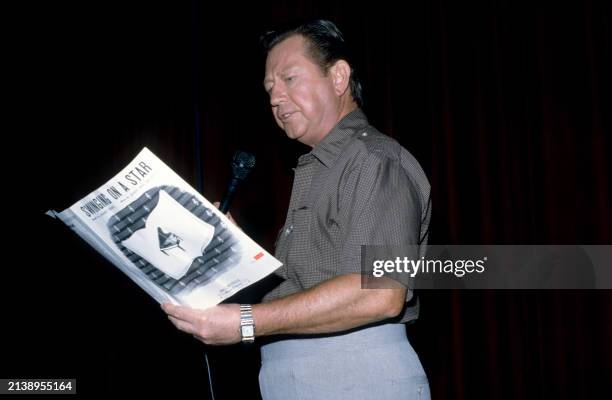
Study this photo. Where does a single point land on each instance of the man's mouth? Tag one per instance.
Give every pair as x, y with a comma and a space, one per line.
285, 116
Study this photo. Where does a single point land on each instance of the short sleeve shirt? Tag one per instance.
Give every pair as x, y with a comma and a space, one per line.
356, 187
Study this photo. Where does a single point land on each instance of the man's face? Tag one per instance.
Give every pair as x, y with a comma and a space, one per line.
304, 101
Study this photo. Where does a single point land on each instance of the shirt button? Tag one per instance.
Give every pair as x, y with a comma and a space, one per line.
364, 134
289, 229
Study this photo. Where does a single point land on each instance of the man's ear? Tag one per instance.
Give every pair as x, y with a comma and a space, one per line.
341, 74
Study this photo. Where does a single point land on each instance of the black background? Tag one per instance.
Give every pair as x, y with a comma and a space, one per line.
506, 105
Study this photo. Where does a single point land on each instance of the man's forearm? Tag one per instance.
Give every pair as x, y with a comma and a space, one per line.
332, 306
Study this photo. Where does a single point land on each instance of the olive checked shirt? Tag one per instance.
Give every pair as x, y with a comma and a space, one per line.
356, 187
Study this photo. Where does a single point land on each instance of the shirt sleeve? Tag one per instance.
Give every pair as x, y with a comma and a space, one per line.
381, 205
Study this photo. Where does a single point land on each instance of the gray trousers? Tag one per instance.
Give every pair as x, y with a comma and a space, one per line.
372, 363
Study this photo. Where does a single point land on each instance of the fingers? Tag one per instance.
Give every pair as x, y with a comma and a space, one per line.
179, 312
227, 214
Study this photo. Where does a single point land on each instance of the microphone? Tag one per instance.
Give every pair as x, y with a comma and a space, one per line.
242, 164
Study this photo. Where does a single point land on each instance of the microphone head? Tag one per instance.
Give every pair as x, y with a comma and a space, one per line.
242, 164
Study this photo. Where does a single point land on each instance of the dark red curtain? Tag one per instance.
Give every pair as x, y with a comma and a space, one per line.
506, 104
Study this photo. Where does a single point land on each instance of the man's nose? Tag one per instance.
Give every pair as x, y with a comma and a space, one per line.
277, 95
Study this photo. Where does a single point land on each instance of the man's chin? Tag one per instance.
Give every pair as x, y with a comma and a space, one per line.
291, 134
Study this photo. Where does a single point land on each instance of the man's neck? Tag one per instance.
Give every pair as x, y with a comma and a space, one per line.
346, 108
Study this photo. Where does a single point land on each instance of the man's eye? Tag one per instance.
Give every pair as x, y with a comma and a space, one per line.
290, 79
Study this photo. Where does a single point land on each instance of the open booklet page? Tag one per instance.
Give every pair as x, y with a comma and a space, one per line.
166, 237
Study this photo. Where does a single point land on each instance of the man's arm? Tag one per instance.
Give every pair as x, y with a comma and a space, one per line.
335, 305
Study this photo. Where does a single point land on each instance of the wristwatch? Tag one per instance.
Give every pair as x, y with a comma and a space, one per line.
247, 324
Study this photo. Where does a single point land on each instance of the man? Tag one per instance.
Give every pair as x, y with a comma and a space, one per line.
329, 338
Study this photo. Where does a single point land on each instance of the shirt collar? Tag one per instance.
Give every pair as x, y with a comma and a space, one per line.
330, 147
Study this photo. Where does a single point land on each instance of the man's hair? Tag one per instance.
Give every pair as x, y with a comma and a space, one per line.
325, 46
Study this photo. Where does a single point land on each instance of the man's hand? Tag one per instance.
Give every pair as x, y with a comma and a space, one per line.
216, 325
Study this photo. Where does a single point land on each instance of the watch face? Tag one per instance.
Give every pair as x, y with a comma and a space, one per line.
247, 330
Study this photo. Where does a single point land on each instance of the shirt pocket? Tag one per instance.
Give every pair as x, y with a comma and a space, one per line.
298, 240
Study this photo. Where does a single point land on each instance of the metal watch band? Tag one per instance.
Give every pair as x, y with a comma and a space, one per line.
247, 324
